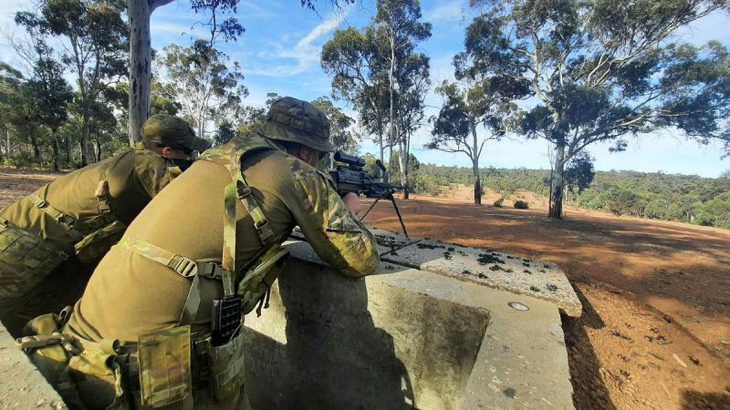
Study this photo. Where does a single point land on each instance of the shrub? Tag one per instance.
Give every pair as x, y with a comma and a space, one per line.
520, 204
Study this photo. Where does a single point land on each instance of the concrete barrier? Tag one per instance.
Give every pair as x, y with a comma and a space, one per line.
435, 328
409, 337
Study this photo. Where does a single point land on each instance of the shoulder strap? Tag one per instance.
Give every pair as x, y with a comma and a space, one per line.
230, 156
183, 266
64, 219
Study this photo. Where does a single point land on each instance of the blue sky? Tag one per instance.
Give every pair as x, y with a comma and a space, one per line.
280, 53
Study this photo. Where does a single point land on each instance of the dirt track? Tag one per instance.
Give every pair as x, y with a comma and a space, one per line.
651, 290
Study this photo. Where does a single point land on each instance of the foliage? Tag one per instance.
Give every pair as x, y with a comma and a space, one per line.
686, 198
199, 78
225, 132
579, 172
520, 204
603, 70
95, 43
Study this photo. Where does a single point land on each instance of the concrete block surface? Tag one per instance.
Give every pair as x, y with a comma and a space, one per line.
490, 268
23, 386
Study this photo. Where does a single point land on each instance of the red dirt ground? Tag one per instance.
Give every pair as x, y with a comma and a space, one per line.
655, 331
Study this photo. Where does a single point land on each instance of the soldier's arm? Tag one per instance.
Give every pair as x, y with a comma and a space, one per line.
151, 171
337, 236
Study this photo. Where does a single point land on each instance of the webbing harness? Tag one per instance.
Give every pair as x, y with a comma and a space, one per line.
75, 228
237, 190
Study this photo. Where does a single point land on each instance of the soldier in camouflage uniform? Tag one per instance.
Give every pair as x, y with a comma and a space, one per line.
54, 236
211, 239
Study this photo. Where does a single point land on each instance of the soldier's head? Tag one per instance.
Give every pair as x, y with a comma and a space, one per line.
300, 127
171, 137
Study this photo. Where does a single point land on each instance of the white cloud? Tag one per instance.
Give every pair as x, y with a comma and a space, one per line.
305, 52
451, 11
169, 28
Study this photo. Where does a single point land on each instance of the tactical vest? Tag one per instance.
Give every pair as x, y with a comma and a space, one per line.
163, 361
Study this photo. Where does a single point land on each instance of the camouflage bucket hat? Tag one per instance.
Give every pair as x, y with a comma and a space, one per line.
169, 131
294, 120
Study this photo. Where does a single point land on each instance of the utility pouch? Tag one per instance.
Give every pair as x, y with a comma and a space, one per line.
226, 367
26, 259
262, 274
96, 244
164, 367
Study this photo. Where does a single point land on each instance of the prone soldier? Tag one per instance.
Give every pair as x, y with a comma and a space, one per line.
164, 307
50, 240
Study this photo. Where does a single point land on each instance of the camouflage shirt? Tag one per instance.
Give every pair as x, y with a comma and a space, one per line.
129, 295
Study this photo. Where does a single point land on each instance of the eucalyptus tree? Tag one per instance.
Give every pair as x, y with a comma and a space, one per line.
603, 70
413, 83
10, 80
94, 38
341, 133
140, 49
397, 23
353, 59
199, 78
46, 88
478, 99
221, 23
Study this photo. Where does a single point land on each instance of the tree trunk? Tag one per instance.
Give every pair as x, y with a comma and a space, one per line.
140, 63
54, 133
84, 143
403, 163
98, 150
67, 146
475, 164
36, 150
391, 86
7, 142
556, 194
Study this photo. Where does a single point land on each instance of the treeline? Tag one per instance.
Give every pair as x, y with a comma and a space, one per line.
656, 195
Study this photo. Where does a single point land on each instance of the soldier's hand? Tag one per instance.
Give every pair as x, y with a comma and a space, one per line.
352, 202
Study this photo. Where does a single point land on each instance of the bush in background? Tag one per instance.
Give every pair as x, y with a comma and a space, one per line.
520, 204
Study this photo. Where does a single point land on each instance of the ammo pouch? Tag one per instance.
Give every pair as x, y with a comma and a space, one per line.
226, 368
26, 259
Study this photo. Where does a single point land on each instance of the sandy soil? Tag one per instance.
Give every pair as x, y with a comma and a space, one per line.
655, 332
17, 183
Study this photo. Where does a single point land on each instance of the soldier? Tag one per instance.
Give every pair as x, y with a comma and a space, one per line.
67, 225
204, 252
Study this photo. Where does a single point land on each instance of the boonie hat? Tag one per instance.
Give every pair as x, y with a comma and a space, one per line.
294, 120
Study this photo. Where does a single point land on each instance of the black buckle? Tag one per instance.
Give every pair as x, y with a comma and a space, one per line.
67, 220
243, 191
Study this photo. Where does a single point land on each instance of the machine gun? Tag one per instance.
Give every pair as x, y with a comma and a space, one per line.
349, 176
